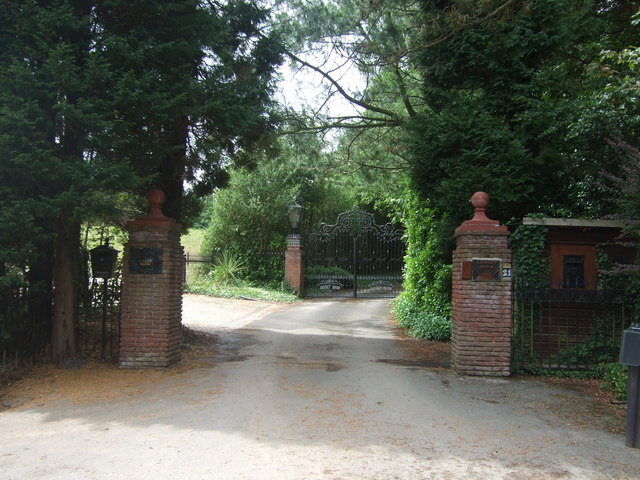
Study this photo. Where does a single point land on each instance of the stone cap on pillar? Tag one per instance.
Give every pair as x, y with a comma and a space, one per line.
480, 222
294, 240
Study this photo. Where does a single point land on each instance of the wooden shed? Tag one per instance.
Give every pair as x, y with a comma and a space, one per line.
576, 320
572, 246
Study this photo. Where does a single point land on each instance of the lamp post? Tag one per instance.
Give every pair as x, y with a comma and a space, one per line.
293, 268
103, 264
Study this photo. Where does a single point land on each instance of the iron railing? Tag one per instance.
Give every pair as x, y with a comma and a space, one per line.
99, 319
568, 329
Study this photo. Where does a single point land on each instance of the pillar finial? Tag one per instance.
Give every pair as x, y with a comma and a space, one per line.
155, 216
480, 221
156, 200
480, 201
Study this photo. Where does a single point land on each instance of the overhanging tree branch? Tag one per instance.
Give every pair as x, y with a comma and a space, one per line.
342, 91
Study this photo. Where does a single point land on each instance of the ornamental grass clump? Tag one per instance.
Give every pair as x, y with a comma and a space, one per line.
229, 269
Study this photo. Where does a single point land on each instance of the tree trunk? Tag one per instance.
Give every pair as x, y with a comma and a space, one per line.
171, 179
65, 298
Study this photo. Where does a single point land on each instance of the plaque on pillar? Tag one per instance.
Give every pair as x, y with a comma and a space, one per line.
145, 261
486, 270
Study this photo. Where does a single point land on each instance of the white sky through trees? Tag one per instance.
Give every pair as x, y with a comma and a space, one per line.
303, 89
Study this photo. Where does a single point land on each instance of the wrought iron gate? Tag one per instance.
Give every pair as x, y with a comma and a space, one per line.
355, 257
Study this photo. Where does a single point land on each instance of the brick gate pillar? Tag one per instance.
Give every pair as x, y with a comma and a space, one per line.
151, 301
481, 300
293, 266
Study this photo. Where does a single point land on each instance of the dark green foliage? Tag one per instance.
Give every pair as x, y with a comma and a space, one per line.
425, 304
327, 271
507, 85
460, 151
530, 267
615, 378
249, 217
498, 114
625, 278
600, 346
100, 101
426, 316
46, 182
189, 84
625, 188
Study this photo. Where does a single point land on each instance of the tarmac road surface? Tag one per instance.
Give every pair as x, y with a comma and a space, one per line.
317, 390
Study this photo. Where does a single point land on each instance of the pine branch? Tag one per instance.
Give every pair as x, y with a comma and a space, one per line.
446, 36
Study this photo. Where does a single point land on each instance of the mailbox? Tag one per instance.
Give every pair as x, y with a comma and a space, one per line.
630, 351
630, 355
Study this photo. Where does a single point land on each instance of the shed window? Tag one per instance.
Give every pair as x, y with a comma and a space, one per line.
573, 271
573, 266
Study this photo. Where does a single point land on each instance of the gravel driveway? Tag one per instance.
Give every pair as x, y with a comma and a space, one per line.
315, 390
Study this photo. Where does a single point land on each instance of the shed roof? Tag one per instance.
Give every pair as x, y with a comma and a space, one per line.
572, 222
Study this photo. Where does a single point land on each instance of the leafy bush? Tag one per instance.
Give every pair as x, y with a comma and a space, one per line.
249, 217
425, 304
599, 346
432, 323
329, 271
614, 379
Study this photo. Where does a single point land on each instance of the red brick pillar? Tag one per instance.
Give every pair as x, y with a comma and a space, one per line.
481, 302
293, 266
152, 290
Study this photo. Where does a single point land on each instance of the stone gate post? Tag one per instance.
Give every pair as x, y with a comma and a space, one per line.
481, 300
293, 266
151, 302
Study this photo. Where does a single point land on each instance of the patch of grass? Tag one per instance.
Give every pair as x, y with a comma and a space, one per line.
208, 286
192, 241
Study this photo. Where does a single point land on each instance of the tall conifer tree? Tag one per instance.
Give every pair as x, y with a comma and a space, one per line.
99, 98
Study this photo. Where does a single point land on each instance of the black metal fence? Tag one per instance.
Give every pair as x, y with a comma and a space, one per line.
192, 264
99, 319
572, 329
26, 320
24, 324
268, 260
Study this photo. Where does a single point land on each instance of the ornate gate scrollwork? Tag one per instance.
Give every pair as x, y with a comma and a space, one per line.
355, 257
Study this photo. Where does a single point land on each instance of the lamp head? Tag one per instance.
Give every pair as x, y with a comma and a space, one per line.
295, 215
